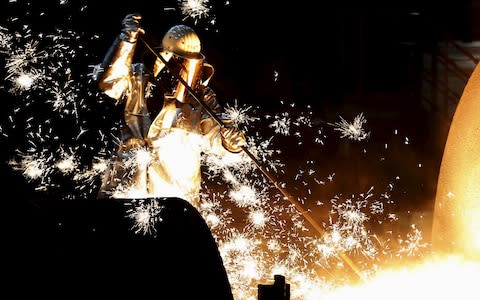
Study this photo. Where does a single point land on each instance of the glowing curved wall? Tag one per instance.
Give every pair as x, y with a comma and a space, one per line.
456, 222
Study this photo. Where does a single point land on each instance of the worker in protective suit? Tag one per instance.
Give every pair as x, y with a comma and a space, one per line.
160, 156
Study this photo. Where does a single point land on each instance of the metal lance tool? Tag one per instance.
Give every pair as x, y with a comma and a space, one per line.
259, 165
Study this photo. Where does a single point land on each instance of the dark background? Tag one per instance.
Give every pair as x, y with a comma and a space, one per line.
340, 59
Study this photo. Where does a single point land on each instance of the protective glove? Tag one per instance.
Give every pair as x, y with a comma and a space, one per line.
131, 28
232, 139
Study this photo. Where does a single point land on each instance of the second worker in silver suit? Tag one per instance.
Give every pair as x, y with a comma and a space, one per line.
160, 156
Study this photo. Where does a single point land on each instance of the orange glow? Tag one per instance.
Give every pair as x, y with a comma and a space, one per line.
456, 225
476, 234
445, 278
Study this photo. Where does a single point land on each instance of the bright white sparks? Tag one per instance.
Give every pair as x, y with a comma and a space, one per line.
258, 218
238, 115
85, 178
413, 245
244, 196
281, 124
67, 165
268, 235
353, 131
5, 40
145, 215
24, 81
195, 9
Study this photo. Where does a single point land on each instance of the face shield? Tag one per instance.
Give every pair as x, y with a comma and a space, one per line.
181, 49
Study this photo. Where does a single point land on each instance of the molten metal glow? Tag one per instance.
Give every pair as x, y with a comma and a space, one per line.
476, 238
456, 226
447, 278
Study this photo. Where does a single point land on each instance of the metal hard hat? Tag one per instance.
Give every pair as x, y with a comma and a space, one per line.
182, 41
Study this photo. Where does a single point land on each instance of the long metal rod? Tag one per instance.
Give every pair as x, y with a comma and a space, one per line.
259, 165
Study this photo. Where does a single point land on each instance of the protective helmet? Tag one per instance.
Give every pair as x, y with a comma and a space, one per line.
182, 41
